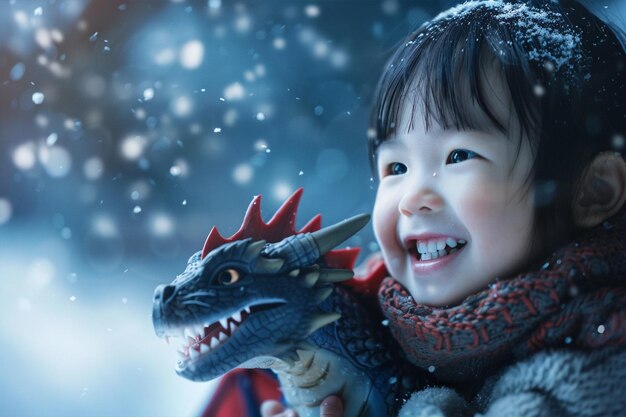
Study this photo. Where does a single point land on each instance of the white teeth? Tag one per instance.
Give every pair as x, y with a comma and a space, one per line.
224, 323
193, 353
453, 250
247, 309
189, 333
214, 343
233, 327
421, 247
172, 340
184, 342
434, 249
204, 348
199, 329
237, 316
181, 355
191, 341
223, 336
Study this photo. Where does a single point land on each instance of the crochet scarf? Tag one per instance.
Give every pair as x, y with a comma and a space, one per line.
576, 300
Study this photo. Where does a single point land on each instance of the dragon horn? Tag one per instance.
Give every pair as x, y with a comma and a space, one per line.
331, 236
321, 320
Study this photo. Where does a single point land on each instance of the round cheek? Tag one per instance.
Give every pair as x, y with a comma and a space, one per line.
499, 227
381, 219
384, 219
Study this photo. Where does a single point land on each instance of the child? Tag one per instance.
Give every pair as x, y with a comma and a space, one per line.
499, 211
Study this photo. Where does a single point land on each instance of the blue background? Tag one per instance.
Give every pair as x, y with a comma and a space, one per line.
127, 130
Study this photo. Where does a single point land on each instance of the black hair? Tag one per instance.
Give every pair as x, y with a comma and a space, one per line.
565, 72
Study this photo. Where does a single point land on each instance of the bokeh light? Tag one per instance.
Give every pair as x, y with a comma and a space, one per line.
129, 129
191, 54
6, 210
24, 156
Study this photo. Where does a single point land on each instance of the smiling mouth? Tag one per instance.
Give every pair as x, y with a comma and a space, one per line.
422, 252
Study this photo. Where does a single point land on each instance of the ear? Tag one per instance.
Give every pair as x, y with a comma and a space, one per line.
602, 190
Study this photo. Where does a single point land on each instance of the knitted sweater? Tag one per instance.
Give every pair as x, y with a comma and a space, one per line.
552, 383
550, 342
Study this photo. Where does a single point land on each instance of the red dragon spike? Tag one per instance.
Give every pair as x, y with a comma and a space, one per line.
314, 224
284, 220
281, 225
252, 225
213, 240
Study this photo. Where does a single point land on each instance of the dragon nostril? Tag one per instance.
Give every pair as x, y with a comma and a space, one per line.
168, 293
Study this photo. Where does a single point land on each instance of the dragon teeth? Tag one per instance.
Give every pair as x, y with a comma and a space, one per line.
199, 329
248, 310
214, 343
189, 333
193, 353
233, 327
204, 348
222, 336
237, 316
224, 323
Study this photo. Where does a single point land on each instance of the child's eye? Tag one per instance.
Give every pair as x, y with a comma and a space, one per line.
396, 168
460, 155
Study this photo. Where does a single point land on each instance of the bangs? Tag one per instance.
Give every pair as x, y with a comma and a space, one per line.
443, 70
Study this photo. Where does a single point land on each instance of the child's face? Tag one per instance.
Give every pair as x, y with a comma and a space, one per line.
459, 185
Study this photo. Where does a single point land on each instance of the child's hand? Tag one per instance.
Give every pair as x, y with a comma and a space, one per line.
331, 407
273, 408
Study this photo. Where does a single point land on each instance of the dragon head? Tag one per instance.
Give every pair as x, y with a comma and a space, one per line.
252, 298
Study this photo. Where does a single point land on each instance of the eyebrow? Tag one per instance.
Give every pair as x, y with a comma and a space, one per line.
485, 136
389, 143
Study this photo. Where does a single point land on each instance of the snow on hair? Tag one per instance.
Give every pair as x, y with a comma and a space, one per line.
546, 33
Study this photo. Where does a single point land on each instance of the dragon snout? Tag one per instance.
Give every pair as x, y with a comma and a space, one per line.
164, 293
162, 296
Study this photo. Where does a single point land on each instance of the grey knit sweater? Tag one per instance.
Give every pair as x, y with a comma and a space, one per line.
552, 383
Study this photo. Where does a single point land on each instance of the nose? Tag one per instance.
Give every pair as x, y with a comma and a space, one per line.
421, 201
163, 294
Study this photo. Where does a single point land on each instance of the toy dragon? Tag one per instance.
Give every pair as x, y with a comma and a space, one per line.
270, 297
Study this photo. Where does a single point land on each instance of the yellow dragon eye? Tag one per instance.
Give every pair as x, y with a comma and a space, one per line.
228, 276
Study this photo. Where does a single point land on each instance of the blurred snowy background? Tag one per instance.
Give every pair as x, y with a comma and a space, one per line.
127, 130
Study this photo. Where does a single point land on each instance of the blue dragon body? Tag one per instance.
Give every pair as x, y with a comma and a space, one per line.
271, 297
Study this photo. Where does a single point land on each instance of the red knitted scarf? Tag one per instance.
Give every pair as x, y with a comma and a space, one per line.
576, 300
